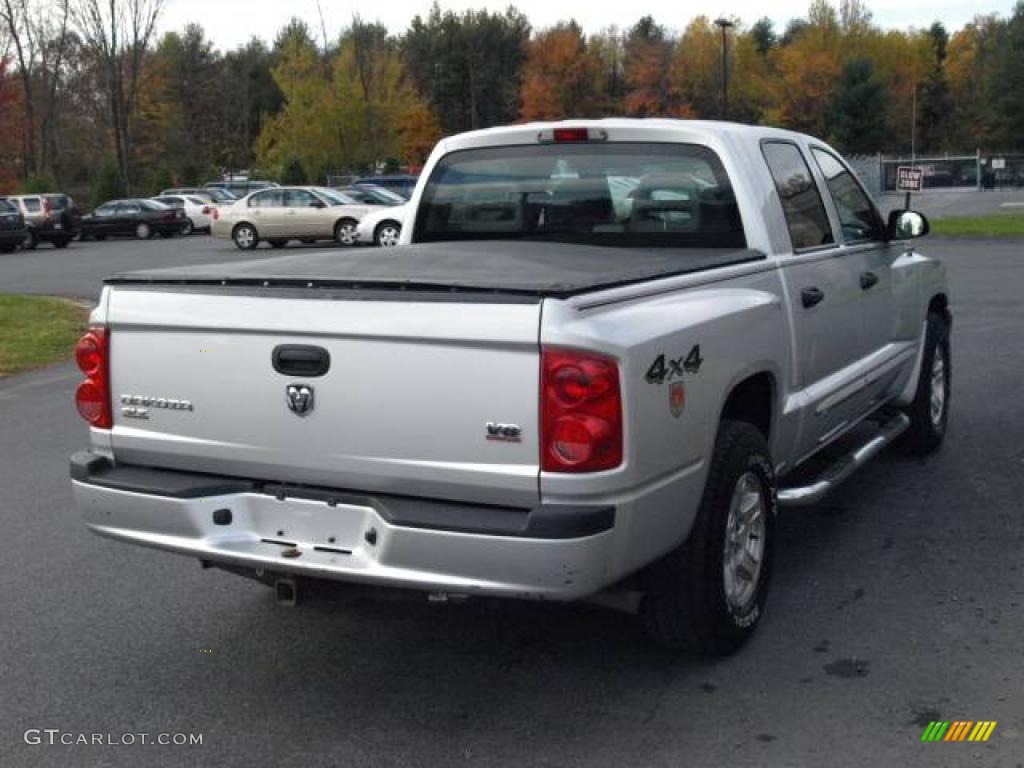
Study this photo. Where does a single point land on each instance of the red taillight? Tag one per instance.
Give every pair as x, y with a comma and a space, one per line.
206, 210
93, 395
571, 134
581, 412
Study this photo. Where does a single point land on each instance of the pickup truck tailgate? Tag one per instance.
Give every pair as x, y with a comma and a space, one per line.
413, 383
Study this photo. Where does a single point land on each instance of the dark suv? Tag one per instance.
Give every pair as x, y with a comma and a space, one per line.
12, 227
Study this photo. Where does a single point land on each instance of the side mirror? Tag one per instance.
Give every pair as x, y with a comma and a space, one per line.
318, 204
904, 225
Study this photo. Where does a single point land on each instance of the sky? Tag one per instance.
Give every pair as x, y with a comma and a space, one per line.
230, 23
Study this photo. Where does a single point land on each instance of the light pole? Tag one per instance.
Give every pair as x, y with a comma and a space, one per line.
725, 24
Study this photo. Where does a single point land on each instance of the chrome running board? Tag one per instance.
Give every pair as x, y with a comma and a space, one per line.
845, 466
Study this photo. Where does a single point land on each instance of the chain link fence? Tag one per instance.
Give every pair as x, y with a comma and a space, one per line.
977, 171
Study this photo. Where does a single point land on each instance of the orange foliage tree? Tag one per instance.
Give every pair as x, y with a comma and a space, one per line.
562, 76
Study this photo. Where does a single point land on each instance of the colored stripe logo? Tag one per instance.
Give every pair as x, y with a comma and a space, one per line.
958, 730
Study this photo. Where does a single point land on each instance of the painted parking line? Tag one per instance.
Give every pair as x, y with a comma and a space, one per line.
1012, 205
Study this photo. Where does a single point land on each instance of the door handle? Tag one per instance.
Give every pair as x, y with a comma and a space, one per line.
300, 360
868, 280
812, 296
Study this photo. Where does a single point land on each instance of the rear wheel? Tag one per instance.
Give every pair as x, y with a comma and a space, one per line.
387, 234
345, 232
143, 231
708, 595
929, 411
188, 228
62, 242
245, 237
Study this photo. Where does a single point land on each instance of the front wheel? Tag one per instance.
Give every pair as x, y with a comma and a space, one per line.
345, 232
387, 234
708, 595
929, 411
245, 237
143, 231
62, 242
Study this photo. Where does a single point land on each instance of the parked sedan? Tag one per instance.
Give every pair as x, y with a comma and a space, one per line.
198, 211
141, 218
12, 227
281, 214
383, 226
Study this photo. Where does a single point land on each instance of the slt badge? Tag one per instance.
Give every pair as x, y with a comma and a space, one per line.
299, 398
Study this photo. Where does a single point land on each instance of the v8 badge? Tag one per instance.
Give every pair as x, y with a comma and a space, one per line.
676, 398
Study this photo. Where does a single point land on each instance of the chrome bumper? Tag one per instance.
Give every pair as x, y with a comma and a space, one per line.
346, 541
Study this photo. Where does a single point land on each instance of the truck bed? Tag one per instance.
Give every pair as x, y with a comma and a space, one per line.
522, 268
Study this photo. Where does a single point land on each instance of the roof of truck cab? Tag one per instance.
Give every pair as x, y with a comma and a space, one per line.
515, 267
706, 129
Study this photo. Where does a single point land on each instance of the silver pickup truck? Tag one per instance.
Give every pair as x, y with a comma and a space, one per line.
604, 355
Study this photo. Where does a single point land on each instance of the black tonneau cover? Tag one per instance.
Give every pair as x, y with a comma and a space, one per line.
518, 267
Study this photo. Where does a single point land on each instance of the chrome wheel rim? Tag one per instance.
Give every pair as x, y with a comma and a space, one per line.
142, 231
244, 237
938, 398
388, 237
744, 542
347, 234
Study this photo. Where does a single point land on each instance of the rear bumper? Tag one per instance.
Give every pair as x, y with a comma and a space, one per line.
551, 552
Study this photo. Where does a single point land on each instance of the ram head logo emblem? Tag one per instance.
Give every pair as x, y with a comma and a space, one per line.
299, 398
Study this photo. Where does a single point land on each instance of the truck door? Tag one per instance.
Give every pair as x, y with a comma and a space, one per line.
863, 236
824, 295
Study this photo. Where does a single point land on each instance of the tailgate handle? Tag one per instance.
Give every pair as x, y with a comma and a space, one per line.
301, 360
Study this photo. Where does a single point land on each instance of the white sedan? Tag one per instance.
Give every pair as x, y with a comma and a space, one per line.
383, 226
198, 211
280, 214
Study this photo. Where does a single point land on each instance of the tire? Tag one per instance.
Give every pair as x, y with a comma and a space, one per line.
62, 242
387, 233
245, 237
100, 238
277, 243
698, 599
188, 227
143, 231
345, 232
929, 411
30, 242
8, 248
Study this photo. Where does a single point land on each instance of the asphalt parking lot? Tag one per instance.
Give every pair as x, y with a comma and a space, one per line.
897, 601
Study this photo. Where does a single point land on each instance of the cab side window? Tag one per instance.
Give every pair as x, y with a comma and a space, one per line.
857, 213
801, 201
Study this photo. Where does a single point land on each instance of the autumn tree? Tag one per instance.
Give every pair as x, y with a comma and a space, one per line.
934, 103
647, 64
562, 76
